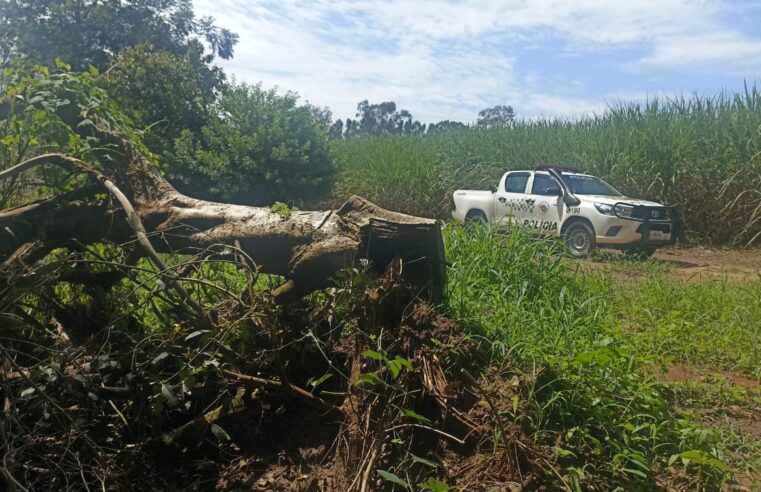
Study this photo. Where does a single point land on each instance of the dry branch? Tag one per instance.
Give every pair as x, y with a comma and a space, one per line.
196, 427
287, 388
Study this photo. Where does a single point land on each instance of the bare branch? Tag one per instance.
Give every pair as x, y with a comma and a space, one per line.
132, 217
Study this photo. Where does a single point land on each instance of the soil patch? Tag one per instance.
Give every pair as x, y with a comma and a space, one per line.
683, 372
708, 264
693, 264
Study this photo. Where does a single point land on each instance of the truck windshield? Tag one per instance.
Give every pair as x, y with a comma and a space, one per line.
589, 185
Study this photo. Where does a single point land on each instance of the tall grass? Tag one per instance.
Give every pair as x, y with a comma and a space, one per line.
703, 153
522, 293
591, 400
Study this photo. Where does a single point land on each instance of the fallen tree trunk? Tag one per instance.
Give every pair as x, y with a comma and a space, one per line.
307, 248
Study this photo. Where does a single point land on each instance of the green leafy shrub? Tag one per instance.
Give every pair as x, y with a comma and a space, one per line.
260, 147
45, 110
164, 93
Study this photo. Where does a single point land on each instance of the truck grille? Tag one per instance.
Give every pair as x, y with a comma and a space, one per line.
650, 213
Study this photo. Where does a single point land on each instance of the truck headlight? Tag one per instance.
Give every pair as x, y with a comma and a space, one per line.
623, 210
605, 208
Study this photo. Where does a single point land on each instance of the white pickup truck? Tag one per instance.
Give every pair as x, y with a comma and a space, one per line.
584, 210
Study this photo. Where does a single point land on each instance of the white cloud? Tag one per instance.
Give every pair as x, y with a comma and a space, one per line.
446, 60
729, 51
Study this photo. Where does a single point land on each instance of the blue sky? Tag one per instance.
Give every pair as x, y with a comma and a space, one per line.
449, 59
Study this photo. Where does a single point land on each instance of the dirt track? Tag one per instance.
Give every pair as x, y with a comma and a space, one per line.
689, 264
704, 264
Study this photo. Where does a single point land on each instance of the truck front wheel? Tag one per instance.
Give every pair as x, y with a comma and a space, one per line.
579, 239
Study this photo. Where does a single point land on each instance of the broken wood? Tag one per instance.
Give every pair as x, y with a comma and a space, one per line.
133, 219
194, 429
307, 248
286, 388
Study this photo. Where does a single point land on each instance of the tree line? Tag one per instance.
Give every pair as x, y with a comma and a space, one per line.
385, 119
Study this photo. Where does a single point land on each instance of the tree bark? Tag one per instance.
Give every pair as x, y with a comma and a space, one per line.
307, 248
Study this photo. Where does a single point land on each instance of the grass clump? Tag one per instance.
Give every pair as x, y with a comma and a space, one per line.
588, 396
522, 292
283, 210
712, 323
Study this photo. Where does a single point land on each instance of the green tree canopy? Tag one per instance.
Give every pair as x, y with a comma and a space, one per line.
446, 126
377, 119
164, 93
92, 32
237, 143
157, 56
258, 148
496, 117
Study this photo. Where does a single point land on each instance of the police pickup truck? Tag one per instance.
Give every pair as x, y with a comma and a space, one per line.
584, 210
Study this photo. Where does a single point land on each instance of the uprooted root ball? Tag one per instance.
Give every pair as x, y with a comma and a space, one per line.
360, 387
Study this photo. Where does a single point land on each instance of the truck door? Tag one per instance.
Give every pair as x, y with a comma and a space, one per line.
546, 207
510, 200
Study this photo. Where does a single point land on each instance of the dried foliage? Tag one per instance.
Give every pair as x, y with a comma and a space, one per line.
354, 388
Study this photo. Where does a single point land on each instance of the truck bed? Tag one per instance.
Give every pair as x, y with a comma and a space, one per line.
467, 200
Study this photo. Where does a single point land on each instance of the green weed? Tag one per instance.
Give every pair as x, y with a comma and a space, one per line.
589, 396
713, 323
283, 210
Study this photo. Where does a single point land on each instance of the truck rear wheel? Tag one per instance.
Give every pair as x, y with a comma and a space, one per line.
579, 239
474, 218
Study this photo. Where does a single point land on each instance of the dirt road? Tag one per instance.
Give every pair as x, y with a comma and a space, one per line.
703, 264
688, 264
705, 388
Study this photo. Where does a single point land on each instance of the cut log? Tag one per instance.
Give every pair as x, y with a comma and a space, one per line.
307, 248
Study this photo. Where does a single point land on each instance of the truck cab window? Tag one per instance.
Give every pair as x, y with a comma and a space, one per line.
516, 182
545, 185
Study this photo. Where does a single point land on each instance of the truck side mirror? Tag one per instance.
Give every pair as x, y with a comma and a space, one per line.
493, 189
571, 200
